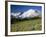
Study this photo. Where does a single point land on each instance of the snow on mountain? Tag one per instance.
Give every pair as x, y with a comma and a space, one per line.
27, 14
15, 14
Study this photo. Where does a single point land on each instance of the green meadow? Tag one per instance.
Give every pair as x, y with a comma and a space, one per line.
26, 25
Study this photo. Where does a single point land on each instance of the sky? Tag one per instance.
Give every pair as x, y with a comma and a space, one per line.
23, 8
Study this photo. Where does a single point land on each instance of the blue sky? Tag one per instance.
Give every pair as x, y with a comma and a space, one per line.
23, 8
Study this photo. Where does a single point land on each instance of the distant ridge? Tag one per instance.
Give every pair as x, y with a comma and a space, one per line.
27, 14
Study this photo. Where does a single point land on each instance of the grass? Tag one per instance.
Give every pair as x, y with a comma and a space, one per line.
26, 25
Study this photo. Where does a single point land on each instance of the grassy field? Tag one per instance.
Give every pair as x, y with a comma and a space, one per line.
26, 25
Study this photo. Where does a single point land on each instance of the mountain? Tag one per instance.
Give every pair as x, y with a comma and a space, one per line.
15, 15
27, 14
